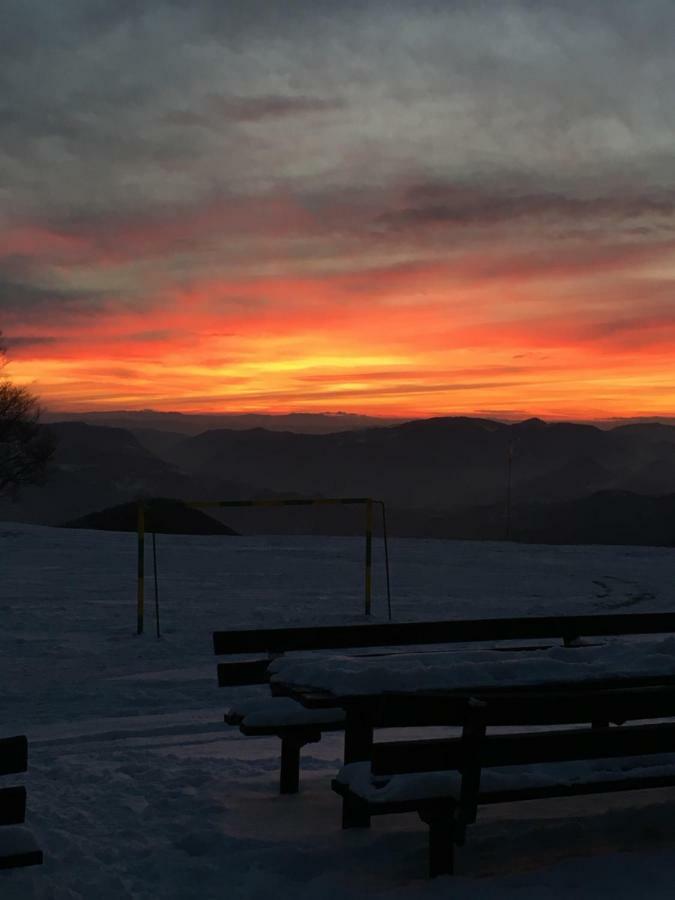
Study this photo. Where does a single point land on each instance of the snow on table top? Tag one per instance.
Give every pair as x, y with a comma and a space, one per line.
344, 675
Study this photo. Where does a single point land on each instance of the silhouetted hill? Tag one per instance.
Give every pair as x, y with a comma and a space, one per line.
163, 516
574, 478
158, 442
604, 517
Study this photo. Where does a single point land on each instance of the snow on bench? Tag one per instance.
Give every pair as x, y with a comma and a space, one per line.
374, 789
292, 723
417, 787
268, 716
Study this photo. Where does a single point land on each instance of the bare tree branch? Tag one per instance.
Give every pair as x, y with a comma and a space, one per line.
25, 446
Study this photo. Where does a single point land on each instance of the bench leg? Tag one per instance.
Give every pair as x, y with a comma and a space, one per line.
355, 813
442, 838
289, 776
358, 747
358, 738
12, 806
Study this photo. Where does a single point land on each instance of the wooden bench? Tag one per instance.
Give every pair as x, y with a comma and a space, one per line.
17, 845
445, 780
295, 727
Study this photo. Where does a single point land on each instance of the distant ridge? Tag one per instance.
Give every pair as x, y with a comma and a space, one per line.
164, 516
195, 423
180, 423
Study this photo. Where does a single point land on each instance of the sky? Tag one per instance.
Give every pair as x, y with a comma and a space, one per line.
390, 207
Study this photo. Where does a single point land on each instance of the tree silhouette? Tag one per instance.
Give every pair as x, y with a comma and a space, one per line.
25, 446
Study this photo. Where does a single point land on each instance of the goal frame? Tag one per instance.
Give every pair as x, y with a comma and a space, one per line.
367, 502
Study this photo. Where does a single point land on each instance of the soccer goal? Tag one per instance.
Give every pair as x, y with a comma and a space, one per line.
368, 503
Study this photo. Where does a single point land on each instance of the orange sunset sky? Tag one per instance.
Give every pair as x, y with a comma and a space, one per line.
388, 208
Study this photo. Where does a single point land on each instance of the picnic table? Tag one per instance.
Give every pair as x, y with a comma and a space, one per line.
397, 689
472, 675
598, 683
297, 725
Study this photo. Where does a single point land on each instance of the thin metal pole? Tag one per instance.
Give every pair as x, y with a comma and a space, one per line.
386, 556
140, 587
369, 556
509, 468
154, 562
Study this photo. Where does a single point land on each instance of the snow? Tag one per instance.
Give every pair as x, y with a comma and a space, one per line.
136, 788
478, 668
16, 840
281, 711
423, 785
398, 788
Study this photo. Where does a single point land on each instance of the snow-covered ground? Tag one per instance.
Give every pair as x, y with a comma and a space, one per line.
137, 789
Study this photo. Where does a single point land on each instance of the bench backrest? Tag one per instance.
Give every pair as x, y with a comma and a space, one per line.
335, 637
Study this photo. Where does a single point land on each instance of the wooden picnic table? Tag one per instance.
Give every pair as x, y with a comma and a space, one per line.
398, 690
494, 653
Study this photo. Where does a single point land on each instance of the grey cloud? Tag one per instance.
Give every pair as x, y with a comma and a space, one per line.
98, 100
431, 84
16, 297
19, 342
251, 109
26, 302
158, 335
438, 204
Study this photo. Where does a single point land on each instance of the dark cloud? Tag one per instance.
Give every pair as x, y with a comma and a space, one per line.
251, 109
20, 342
441, 204
29, 301
95, 97
150, 337
254, 109
33, 303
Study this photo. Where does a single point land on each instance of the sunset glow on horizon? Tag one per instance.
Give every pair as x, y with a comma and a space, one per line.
383, 208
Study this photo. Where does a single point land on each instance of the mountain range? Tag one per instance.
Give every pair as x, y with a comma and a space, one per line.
440, 477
